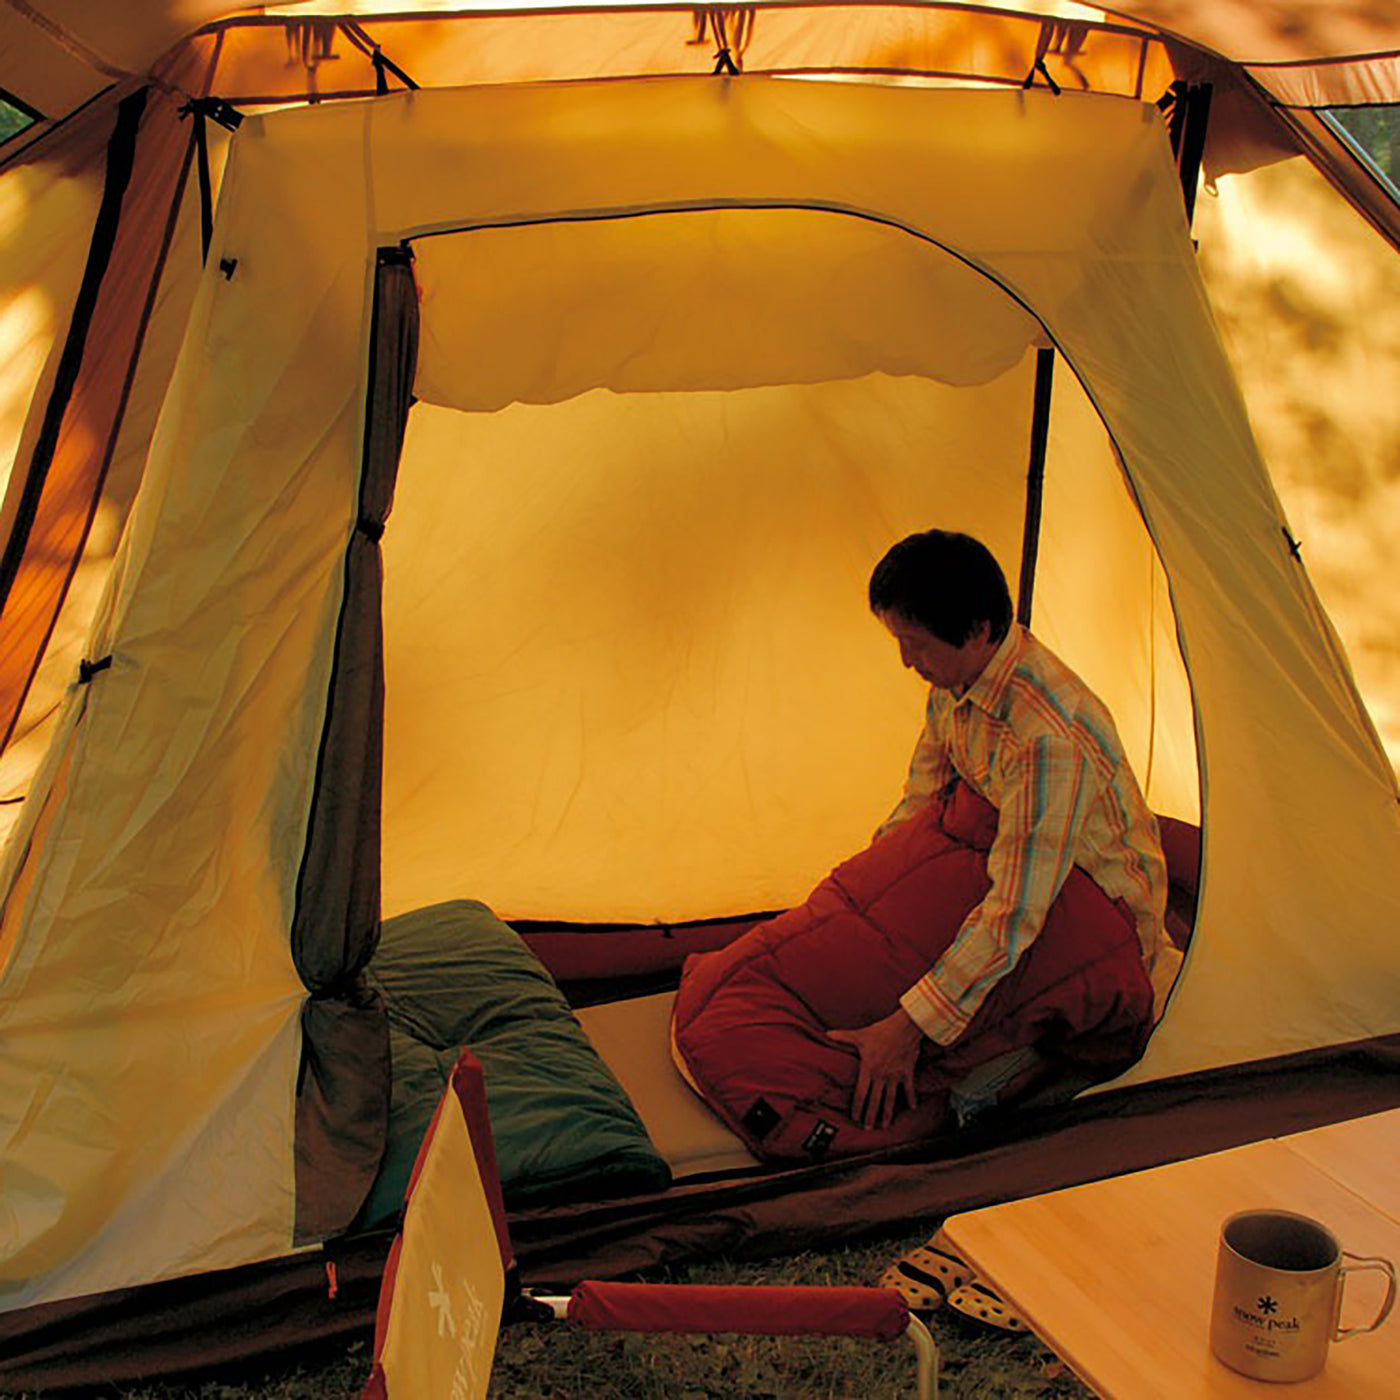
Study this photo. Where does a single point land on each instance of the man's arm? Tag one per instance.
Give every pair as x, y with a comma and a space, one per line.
1045, 791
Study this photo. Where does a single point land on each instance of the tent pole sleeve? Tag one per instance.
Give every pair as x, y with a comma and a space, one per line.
342, 1105
1035, 481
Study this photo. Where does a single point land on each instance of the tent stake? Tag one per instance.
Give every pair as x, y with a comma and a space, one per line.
1035, 480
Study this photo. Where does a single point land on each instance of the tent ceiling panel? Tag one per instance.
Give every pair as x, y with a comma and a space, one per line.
716, 297
572, 149
1353, 84
1273, 31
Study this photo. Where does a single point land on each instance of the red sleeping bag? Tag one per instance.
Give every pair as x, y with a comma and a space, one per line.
750, 1019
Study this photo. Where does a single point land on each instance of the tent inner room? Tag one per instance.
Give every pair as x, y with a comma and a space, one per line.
631, 674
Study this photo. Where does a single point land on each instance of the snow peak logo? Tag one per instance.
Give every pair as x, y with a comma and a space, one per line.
1264, 1319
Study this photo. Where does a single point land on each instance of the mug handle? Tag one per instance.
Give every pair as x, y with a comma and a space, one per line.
1360, 1262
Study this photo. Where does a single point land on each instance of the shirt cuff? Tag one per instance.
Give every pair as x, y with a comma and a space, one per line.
939, 1017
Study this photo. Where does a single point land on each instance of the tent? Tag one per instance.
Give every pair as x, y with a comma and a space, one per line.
480, 506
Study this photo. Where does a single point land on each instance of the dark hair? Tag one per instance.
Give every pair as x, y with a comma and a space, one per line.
945, 582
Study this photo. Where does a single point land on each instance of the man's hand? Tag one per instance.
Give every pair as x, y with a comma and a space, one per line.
889, 1052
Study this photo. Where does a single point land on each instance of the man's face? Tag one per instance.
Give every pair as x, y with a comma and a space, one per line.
939, 663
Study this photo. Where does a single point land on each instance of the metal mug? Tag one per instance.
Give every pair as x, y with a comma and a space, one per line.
1279, 1281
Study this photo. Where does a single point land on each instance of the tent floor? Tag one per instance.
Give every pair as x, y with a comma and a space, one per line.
265, 1311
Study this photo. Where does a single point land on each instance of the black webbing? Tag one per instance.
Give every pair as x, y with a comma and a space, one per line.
88, 669
1039, 67
229, 117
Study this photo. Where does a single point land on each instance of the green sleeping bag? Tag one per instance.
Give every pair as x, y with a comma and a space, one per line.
454, 975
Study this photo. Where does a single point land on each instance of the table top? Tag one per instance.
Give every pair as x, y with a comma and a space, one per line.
1117, 1275
1362, 1153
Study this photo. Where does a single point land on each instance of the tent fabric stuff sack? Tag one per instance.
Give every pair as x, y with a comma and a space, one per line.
750, 1022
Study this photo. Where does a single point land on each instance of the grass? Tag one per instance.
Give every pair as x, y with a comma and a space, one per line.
555, 1362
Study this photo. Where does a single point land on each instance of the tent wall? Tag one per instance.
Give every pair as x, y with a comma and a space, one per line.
74, 430
306, 54
177, 806
43, 236
632, 671
1305, 297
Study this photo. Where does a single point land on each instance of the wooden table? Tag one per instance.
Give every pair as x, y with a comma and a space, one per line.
1117, 1275
1362, 1153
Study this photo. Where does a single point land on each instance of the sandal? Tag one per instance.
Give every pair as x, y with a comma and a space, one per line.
976, 1300
925, 1276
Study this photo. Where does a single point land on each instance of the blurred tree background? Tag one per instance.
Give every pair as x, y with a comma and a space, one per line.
1377, 131
13, 119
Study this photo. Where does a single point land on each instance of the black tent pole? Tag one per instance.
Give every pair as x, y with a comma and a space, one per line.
1035, 481
1190, 113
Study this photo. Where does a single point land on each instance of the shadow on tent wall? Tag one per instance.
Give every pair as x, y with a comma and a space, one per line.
280, 1308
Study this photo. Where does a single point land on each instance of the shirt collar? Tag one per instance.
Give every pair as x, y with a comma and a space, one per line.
988, 691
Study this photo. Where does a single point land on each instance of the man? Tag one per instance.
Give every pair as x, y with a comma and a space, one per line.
1012, 721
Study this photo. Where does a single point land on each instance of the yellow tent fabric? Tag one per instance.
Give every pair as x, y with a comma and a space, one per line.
641, 589
62, 55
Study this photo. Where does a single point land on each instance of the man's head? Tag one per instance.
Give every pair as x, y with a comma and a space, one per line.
944, 599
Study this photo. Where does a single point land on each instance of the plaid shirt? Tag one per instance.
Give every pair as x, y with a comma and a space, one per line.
1031, 738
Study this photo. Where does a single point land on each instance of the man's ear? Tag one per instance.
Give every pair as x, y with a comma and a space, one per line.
981, 632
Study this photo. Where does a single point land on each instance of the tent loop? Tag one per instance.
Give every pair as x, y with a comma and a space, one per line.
1295, 547
371, 528
230, 118
1039, 67
383, 64
310, 42
227, 266
731, 28
1065, 39
88, 669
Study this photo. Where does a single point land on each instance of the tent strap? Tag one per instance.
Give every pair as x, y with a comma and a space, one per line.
383, 64
203, 110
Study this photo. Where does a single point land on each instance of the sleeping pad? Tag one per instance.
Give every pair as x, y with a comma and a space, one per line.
750, 1020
